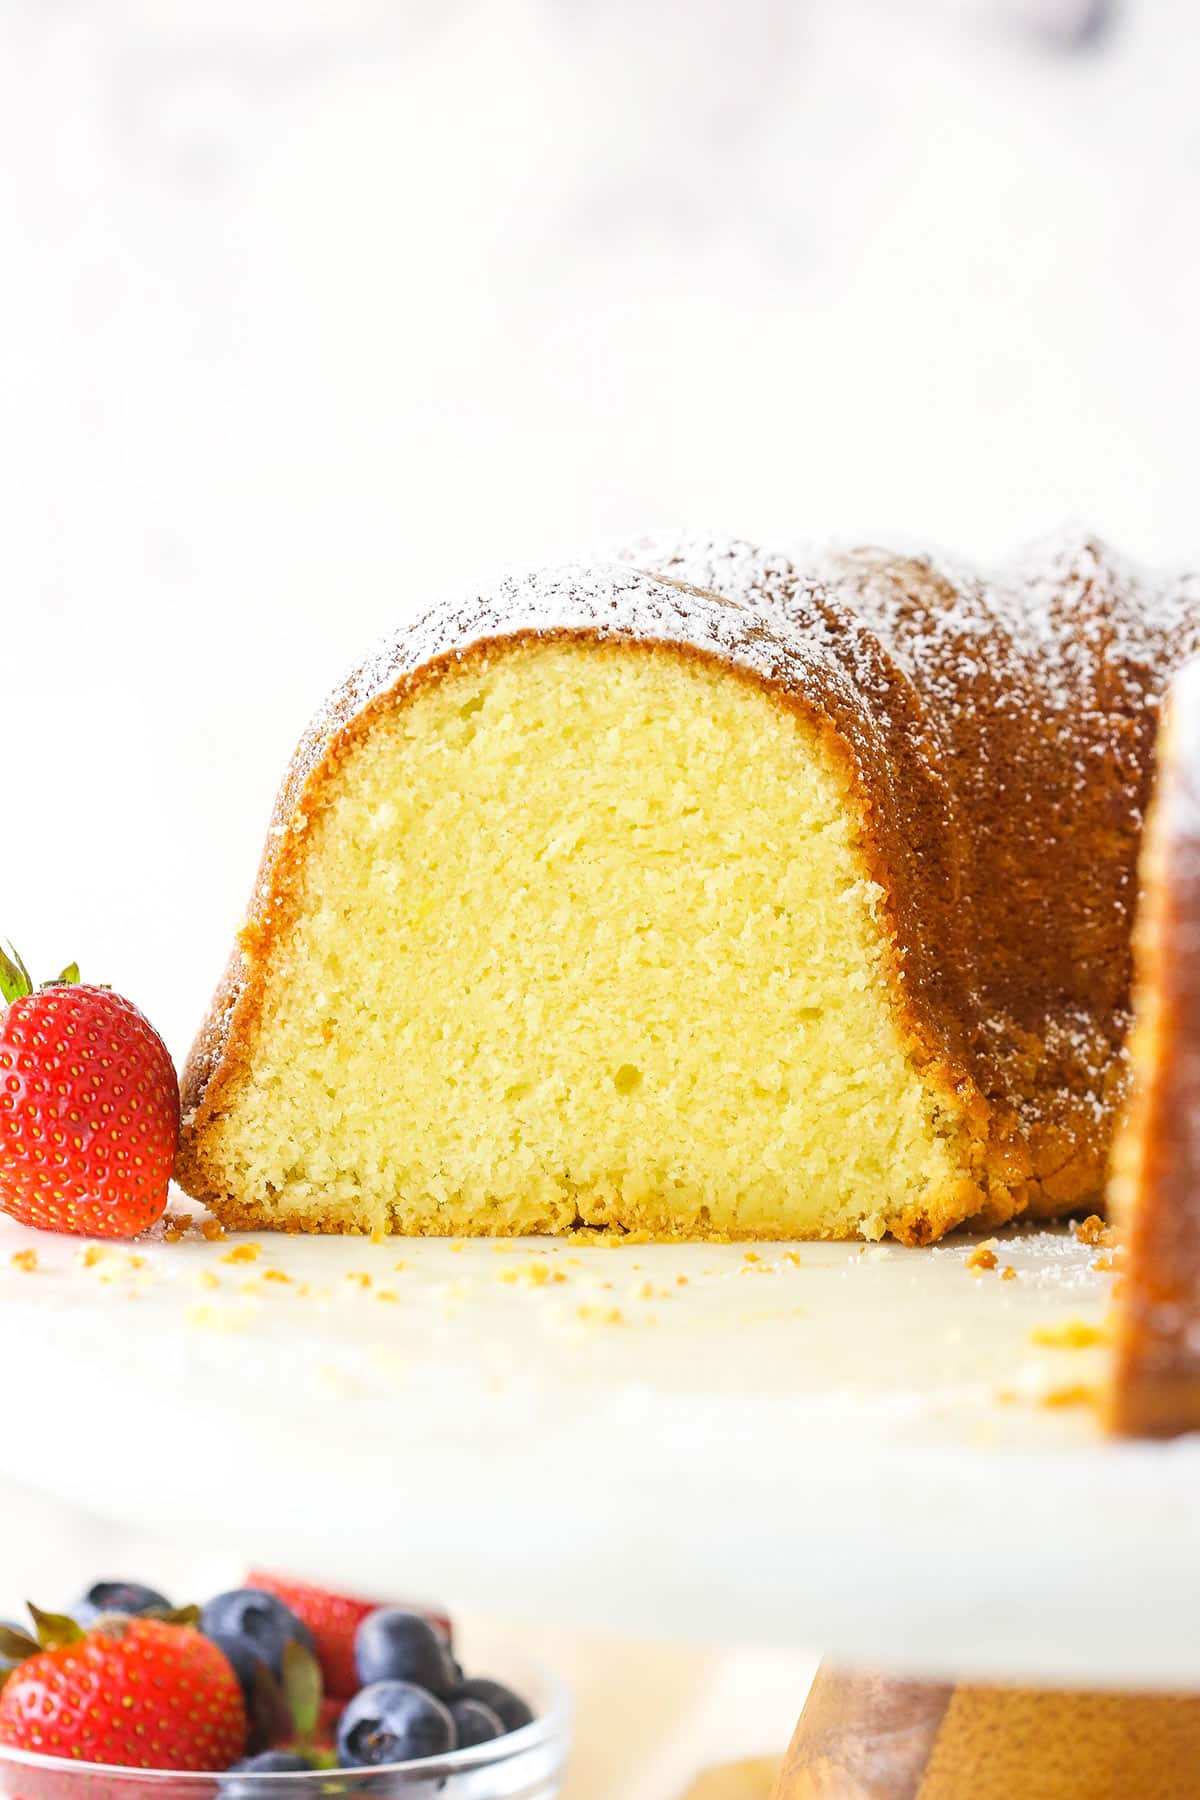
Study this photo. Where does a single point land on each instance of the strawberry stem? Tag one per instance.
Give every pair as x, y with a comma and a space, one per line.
15, 980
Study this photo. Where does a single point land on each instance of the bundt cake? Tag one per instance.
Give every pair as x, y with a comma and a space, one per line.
702, 892
1156, 1160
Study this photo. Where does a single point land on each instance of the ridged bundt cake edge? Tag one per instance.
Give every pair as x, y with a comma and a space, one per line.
850, 646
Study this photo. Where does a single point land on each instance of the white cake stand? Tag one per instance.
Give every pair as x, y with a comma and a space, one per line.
831, 1445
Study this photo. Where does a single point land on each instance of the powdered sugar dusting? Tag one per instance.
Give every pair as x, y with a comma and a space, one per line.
785, 630
1063, 618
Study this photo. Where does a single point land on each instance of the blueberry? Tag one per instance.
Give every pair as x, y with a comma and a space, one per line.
391, 1645
259, 1618
509, 1707
268, 1762
393, 1721
267, 1716
474, 1722
128, 1597
244, 1656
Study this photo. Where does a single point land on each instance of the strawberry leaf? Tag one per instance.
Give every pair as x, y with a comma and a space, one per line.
301, 1687
69, 976
174, 1615
270, 1721
17, 1645
15, 980
54, 1630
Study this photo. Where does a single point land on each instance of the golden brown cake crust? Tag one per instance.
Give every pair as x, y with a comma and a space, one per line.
997, 741
1156, 1388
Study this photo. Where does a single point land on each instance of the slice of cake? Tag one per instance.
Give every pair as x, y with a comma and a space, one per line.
1156, 1181
740, 899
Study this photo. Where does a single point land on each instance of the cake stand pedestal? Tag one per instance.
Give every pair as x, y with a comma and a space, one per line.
864, 1737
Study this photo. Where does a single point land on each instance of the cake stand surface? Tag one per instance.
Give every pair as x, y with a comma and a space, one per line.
865, 1449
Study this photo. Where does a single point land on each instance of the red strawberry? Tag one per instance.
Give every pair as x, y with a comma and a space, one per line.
333, 1620
327, 1721
141, 1693
89, 1108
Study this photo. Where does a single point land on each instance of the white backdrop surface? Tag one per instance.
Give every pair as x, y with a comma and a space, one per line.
308, 311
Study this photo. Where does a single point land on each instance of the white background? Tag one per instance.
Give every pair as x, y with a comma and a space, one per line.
309, 311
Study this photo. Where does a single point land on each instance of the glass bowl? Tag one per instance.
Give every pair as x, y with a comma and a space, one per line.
529, 1764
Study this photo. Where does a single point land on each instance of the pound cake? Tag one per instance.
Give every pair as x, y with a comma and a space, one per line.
1156, 1161
702, 892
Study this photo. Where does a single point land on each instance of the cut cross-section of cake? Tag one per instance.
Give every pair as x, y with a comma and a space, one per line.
1156, 1178
731, 899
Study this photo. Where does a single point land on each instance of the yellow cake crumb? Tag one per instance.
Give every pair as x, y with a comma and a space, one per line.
212, 1230
111, 1262
388, 1295
358, 1278
590, 1314
1008, 1273
1070, 1334
1094, 1231
26, 1260
243, 1253
208, 1278
276, 1275
1076, 1393
791, 1258
530, 1274
982, 1257
681, 1281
